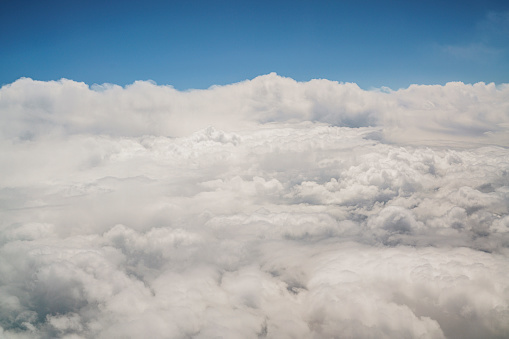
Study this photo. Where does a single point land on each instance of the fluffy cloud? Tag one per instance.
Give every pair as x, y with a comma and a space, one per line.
419, 114
309, 210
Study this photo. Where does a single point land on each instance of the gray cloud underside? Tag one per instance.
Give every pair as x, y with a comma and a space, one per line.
309, 210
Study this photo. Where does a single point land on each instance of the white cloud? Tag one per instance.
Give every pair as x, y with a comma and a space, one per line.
308, 210
420, 114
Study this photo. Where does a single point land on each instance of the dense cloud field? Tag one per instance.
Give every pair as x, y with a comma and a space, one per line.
268, 208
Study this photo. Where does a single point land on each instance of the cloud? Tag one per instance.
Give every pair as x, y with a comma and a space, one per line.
419, 114
300, 210
486, 46
477, 52
494, 28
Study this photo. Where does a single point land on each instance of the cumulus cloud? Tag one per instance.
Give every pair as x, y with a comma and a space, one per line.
419, 114
269, 208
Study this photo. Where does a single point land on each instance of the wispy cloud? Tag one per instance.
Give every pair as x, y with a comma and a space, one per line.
489, 42
494, 28
477, 52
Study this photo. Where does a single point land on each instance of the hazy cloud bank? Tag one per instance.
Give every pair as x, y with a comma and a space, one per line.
308, 210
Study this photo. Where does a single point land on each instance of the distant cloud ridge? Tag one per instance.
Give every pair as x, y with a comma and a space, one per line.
419, 114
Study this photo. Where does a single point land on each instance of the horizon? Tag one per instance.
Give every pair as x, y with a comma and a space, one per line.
99, 86
198, 45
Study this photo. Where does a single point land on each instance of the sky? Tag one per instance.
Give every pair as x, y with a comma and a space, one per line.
197, 44
254, 170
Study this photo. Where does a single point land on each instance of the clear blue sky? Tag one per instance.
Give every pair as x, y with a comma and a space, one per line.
195, 44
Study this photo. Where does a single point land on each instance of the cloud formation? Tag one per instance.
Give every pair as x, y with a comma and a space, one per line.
269, 208
419, 114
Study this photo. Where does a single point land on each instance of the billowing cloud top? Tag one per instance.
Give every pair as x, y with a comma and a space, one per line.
418, 114
268, 208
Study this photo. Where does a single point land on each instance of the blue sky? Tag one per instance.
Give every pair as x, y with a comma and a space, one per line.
196, 44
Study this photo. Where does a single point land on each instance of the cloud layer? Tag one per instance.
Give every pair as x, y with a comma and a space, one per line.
269, 208
419, 114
